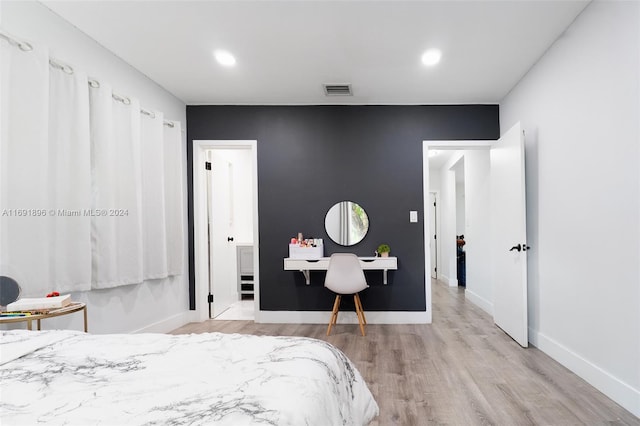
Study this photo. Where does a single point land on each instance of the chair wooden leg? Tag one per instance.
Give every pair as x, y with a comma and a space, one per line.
357, 296
359, 312
334, 313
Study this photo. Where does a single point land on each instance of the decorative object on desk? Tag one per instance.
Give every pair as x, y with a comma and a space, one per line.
9, 290
39, 303
346, 223
311, 248
383, 250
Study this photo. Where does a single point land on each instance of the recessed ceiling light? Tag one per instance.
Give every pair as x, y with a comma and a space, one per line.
431, 57
224, 58
433, 152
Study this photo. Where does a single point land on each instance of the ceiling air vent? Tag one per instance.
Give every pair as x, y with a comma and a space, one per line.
337, 89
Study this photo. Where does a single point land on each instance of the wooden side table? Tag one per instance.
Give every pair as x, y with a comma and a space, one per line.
70, 308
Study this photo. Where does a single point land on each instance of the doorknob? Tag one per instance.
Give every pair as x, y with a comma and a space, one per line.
231, 239
518, 248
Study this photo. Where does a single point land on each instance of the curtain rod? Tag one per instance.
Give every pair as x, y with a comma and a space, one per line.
23, 45
26, 47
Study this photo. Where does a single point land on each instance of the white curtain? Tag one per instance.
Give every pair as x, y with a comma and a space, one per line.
153, 196
25, 239
173, 198
81, 207
117, 189
69, 180
44, 156
104, 258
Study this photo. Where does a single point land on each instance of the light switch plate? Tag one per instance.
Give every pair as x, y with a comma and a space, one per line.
413, 216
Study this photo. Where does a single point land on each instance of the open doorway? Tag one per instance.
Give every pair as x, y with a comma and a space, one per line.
226, 230
230, 229
494, 225
461, 177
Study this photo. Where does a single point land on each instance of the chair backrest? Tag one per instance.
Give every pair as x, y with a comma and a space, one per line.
344, 274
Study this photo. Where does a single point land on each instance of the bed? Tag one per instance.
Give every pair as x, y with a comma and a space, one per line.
69, 377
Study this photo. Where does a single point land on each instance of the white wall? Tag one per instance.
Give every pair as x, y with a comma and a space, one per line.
479, 289
458, 170
159, 305
434, 179
579, 106
460, 204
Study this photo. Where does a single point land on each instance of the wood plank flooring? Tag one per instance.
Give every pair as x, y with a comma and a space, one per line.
460, 370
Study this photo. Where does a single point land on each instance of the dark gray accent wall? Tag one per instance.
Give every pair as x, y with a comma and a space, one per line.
310, 157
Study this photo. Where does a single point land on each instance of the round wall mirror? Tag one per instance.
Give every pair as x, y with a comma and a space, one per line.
346, 223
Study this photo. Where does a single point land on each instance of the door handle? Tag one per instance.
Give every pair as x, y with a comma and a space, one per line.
518, 248
229, 238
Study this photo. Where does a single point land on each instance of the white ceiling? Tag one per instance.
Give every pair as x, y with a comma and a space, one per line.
286, 50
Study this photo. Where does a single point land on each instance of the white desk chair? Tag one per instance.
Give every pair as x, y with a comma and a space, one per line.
345, 276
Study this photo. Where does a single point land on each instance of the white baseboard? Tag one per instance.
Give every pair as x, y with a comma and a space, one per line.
451, 282
481, 302
167, 324
348, 317
622, 393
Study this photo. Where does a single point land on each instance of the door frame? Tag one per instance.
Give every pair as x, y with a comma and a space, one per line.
201, 270
426, 146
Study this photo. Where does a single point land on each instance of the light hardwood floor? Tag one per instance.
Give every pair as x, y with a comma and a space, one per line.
459, 370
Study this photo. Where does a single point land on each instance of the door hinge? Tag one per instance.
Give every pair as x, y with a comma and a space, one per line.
435, 237
210, 298
207, 165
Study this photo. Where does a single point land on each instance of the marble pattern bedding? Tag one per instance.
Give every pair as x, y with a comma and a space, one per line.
67, 377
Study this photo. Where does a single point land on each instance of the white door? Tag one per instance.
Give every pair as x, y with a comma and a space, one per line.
222, 273
509, 235
433, 229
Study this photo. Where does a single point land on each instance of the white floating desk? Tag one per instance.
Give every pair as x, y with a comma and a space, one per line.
383, 264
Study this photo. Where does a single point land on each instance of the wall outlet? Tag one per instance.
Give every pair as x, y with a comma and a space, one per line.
413, 216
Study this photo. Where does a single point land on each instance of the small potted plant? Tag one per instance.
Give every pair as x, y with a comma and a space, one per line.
383, 250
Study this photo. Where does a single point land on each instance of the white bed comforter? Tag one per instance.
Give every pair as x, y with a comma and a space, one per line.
66, 377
